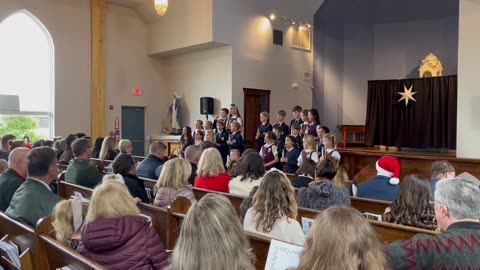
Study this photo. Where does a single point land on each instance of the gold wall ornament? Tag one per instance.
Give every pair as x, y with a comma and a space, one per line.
431, 66
407, 94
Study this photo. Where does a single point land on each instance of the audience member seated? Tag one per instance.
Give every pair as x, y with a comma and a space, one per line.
341, 180
67, 154
192, 155
59, 147
441, 169
384, 186
115, 234
80, 172
173, 183
412, 206
322, 193
458, 246
11, 180
247, 203
148, 167
124, 164
15, 144
3, 166
342, 238
251, 173
97, 146
212, 237
304, 174
107, 152
5, 148
206, 144
211, 173
274, 210
68, 219
125, 146
34, 199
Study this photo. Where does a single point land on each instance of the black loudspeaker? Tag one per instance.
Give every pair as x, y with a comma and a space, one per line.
206, 105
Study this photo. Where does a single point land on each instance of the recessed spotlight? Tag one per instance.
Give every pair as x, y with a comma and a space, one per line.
272, 16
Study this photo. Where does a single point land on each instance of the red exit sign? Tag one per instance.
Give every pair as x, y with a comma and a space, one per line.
137, 91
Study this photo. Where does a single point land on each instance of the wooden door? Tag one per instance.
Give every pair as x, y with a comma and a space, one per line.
255, 102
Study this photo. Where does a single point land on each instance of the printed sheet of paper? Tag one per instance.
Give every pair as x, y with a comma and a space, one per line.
306, 224
282, 255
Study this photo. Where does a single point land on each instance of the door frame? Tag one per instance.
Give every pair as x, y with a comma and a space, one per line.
254, 92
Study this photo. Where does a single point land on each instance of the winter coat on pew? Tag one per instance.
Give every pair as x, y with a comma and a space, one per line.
123, 243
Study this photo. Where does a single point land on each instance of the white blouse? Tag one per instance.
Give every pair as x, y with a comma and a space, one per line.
285, 229
244, 187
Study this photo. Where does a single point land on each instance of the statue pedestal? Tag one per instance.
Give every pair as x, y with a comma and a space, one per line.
171, 141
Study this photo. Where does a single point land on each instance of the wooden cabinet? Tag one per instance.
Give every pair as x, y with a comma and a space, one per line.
357, 137
172, 142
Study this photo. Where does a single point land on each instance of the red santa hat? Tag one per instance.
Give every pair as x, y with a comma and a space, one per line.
389, 166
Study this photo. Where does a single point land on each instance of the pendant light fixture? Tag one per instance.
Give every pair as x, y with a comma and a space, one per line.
161, 7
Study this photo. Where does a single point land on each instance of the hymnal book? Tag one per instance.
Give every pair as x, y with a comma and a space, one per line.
373, 216
10, 252
306, 224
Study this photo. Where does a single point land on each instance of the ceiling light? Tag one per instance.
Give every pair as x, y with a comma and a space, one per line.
161, 6
272, 16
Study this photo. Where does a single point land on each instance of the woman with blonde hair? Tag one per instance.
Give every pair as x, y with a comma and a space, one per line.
342, 238
107, 152
330, 148
173, 182
341, 180
211, 172
274, 210
125, 146
212, 238
308, 151
115, 234
68, 219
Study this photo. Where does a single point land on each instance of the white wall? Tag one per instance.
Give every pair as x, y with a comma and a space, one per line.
128, 67
468, 126
257, 63
69, 25
206, 73
186, 23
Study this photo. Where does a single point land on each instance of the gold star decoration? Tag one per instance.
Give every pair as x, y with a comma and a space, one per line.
407, 95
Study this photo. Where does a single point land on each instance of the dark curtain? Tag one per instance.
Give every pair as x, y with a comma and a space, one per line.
430, 122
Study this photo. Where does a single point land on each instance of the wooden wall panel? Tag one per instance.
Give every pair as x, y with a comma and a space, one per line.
354, 160
98, 68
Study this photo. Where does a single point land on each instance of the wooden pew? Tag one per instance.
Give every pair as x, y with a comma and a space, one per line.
66, 190
260, 245
392, 232
57, 254
369, 205
158, 214
176, 213
23, 236
236, 200
159, 219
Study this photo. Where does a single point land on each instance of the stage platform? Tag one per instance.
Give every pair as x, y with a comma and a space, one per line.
355, 159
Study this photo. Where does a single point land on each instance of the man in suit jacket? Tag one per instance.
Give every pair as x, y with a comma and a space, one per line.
80, 172
34, 200
11, 180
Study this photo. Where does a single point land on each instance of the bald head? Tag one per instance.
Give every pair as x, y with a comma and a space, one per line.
17, 160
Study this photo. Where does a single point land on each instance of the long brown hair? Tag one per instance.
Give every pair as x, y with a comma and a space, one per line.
341, 238
274, 199
412, 206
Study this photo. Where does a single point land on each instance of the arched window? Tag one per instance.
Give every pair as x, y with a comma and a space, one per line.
26, 75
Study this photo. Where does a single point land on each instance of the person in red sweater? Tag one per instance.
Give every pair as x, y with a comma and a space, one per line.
211, 172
